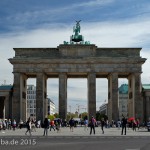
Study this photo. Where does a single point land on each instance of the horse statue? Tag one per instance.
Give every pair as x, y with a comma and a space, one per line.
76, 30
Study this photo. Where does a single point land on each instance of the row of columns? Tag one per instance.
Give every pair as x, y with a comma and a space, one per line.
19, 96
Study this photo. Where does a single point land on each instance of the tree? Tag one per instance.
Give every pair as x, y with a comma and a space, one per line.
99, 116
83, 115
71, 115
51, 117
56, 115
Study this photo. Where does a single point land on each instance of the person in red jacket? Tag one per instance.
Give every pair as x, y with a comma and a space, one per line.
52, 125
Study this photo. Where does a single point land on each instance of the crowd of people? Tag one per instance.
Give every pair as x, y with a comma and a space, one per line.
48, 125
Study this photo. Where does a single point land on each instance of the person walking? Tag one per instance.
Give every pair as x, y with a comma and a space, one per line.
52, 125
9, 124
102, 125
123, 124
28, 125
85, 124
33, 127
14, 125
134, 124
138, 123
92, 125
46, 125
119, 124
58, 125
20, 124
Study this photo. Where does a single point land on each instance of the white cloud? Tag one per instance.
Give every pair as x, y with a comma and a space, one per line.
52, 14
93, 3
117, 34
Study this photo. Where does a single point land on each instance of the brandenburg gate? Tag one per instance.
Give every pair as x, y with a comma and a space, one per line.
74, 60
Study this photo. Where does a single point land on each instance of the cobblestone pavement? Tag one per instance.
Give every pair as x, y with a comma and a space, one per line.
78, 131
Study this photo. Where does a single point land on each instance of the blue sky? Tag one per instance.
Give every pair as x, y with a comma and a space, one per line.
47, 23
33, 14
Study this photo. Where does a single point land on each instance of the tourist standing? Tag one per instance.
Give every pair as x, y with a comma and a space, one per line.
118, 123
123, 124
65, 123
20, 124
138, 123
71, 123
46, 125
14, 124
134, 125
102, 125
9, 124
92, 125
28, 125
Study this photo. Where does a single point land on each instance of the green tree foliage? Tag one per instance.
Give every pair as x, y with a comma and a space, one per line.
56, 115
51, 117
83, 115
100, 116
71, 115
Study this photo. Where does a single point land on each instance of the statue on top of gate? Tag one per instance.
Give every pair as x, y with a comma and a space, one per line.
77, 38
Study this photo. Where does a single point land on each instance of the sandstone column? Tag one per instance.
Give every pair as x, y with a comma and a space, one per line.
63, 95
135, 100
40, 96
113, 106
23, 102
138, 97
91, 95
109, 99
17, 97
131, 112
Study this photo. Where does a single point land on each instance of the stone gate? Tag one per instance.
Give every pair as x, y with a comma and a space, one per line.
77, 60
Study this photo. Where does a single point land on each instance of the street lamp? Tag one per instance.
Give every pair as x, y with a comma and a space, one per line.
70, 111
85, 111
78, 109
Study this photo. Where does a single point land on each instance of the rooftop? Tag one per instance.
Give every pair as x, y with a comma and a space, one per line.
49, 100
146, 86
6, 87
123, 89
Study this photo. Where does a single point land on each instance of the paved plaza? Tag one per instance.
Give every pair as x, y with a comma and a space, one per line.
78, 131
76, 140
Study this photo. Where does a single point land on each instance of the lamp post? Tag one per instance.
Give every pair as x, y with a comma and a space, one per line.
85, 111
78, 108
70, 110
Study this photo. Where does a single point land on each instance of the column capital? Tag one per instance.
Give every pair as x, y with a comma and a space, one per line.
135, 73
91, 73
42, 74
113, 74
62, 74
